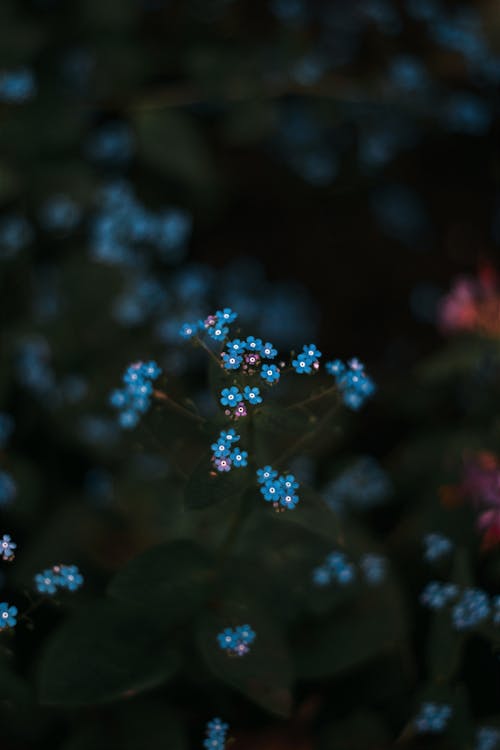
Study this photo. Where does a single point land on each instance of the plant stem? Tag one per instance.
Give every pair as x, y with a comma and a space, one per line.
168, 401
307, 436
208, 351
312, 399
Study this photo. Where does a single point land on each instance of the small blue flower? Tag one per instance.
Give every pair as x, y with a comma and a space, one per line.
265, 474
433, 717
374, 568
230, 396
302, 364
226, 315
270, 373
236, 641
245, 634
436, 546
7, 616
151, 370
322, 575
272, 490
231, 361
227, 639
252, 395
288, 499
437, 595
220, 449
289, 482
268, 351
341, 570
128, 419
472, 608
239, 458
7, 547
69, 577
336, 367
253, 345
229, 436
46, 582
236, 346
117, 398
188, 330
312, 352
218, 332
216, 731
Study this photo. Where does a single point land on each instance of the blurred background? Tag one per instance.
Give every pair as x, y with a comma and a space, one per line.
327, 169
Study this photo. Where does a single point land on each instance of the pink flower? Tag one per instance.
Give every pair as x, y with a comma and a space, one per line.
489, 523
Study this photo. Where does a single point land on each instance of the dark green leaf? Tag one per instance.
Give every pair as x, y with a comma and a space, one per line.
107, 652
264, 674
177, 576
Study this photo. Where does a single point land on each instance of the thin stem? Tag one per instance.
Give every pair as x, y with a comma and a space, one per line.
312, 399
168, 401
208, 351
304, 439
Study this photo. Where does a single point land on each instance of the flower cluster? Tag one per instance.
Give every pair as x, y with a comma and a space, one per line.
280, 490
436, 546
216, 326
487, 738
7, 547
247, 355
8, 616
17, 86
234, 400
135, 398
433, 718
471, 606
337, 568
216, 735
225, 453
307, 361
236, 641
58, 577
352, 381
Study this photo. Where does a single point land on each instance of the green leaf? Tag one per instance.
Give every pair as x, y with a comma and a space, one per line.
264, 675
177, 575
206, 487
109, 651
147, 725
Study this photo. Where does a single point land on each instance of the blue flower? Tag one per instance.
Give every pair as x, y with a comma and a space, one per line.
236, 641
188, 330
253, 345
272, 490
437, 595
7, 616
433, 717
135, 398
336, 367
472, 608
229, 436
321, 575
220, 449
341, 570
239, 458
46, 582
218, 332
17, 85
374, 568
151, 370
268, 351
230, 396
8, 489
270, 373
231, 361
7, 547
436, 546
216, 735
289, 482
312, 352
288, 499
236, 346
128, 419
265, 474
252, 395
69, 577
226, 315
302, 364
